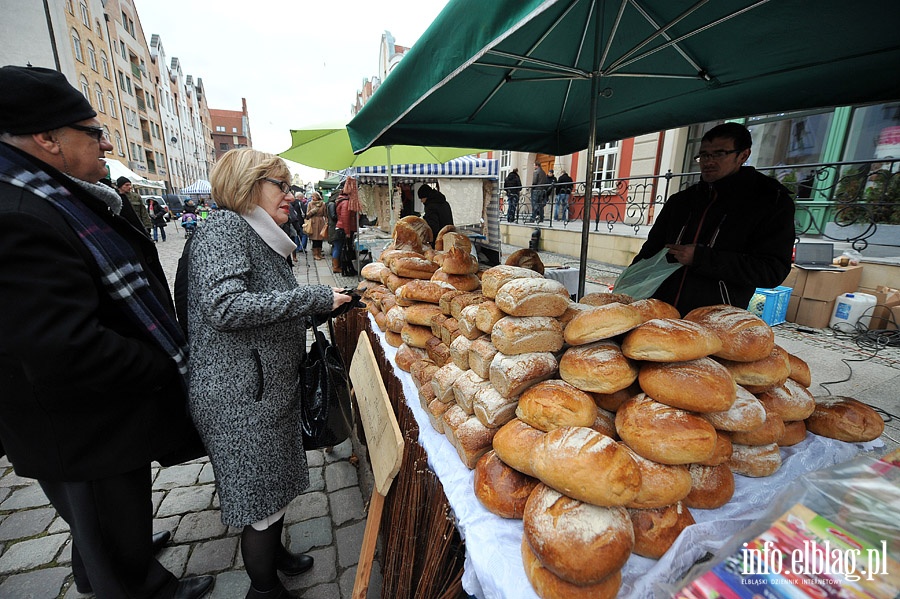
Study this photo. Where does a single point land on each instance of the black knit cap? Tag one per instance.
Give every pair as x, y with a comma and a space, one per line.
122, 181
35, 99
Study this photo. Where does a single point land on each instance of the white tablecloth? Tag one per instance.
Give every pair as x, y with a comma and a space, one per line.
493, 565
567, 276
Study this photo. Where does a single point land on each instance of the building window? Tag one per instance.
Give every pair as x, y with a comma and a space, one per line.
605, 166
234, 129
874, 133
797, 138
124, 51
70, 7
220, 129
223, 147
98, 93
85, 16
98, 28
92, 56
104, 64
119, 149
112, 104
84, 87
76, 43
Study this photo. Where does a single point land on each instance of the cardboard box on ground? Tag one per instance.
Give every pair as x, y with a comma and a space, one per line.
813, 293
886, 315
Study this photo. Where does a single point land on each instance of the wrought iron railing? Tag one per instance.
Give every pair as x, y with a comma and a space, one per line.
841, 201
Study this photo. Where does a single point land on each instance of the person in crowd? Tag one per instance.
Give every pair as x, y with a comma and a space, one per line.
297, 217
563, 193
189, 218
127, 193
91, 357
513, 186
247, 321
157, 218
438, 213
551, 190
538, 193
344, 228
318, 227
733, 231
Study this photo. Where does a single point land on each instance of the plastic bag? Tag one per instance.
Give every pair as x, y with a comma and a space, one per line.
642, 279
850, 257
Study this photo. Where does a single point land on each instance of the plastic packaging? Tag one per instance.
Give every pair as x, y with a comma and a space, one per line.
851, 256
852, 310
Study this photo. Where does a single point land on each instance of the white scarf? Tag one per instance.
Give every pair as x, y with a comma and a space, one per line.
269, 231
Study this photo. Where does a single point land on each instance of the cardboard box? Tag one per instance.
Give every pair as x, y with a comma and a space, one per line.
796, 280
814, 313
886, 298
793, 304
826, 285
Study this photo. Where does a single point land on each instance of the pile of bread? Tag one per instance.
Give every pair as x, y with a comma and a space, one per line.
599, 423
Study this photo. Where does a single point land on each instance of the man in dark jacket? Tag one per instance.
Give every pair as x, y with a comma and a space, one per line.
563, 192
126, 191
438, 213
733, 231
538, 193
513, 186
91, 358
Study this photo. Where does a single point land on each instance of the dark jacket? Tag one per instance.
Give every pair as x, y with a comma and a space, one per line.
86, 394
745, 239
564, 184
438, 213
512, 184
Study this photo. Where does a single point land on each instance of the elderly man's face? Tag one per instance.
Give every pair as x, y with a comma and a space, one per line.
82, 152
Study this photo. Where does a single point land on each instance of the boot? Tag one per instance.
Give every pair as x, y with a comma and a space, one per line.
336, 265
317, 253
292, 564
278, 592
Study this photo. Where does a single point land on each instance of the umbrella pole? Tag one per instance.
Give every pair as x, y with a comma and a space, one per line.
390, 187
589, 176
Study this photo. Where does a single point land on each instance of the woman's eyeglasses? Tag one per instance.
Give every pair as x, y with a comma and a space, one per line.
98, 133
285, 187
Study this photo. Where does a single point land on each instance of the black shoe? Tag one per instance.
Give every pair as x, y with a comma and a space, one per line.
160, 540
291, 564
278, 592
193, 588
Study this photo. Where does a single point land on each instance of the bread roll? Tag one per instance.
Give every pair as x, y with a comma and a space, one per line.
449, 330
464, 389
407, 356
612, 401
790, 401
552, 404
511, 375
655, 530
745, 414
461, 282
373, 271
393, 339
794, 433
573, 310
462, 300
711, 486
769, 372
701, 385
422, 373
494, 278
745, 337
413, 268
466, 322
470, 438
722, 452
396, 319
603, 298
421, 314
844, 419
481, 354
381, 321
436, 410
670, 340
526, 258
501, 489
459, 352
587, 466
664, 434
770, 431
394, 282
548, 585
602, 323
515, 442
487, 315
492, 409
459, 262
755, 460
599, 367
523, 334
446, 298
799, 370
661, 484
443, 380
533, 297
579, 542
605, 423
651, 308
418, 290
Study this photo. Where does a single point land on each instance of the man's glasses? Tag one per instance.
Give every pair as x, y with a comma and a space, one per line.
285, 187
97, 133
717, 155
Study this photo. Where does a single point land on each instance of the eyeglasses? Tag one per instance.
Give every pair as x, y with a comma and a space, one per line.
285, 187
98, 133
717, 155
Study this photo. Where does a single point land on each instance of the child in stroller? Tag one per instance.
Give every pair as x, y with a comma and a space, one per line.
189, 219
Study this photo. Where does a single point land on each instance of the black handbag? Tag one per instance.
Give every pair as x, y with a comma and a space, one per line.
326, 417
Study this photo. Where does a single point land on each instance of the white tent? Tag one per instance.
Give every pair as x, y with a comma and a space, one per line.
198, 187
117, 169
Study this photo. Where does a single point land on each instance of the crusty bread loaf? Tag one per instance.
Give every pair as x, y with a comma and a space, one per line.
438, 351
404, 303
418, 225
461, 282
745, 337
439, 239
436, 410
670, 340
466, 322
722, 452
373, 271
515, 442
396, 319
605, 423
449, 330
664, 434
794, 433
470, 438
421, 314
465, 387
481, 354
599, 367
388, 256
487, 315
548, 585
612, 401
422, 372
579, 542
799, 370
459, 262
745, 414
511, 375
407, 356
501, 489
651, 308
492, 409
755, 460
655, 530
523, 334
405, 238
844, 419
393, 339
603, 298
446, 298
462, 300
790, 401
602, 323
587, 466
443, 380
770, 431
394, 282
533, 297
526, 258
418, 290
768, 372
661, 484
387, 301
493, 278
413, 268
552, 404
701, 385
711, 486
437, 322
573, 310
381, 321
426, 396
416, 336
459, 352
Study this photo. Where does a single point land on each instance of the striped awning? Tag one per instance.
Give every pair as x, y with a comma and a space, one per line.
463, 167
198, 187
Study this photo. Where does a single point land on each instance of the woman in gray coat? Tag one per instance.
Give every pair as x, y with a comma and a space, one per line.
247, 320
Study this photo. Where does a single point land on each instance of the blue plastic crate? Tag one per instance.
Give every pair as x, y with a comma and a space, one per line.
771, 304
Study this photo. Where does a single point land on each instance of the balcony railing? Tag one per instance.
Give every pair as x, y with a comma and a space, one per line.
841, 201
136, 71
142, 105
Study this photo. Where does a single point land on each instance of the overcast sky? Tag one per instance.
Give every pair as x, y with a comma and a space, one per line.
298, 63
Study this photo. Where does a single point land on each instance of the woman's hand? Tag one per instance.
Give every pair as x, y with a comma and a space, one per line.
339, 299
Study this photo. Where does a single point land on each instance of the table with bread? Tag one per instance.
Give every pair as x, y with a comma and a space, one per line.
592, 449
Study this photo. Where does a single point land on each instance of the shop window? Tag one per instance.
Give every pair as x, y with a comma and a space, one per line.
874, 133
783, 139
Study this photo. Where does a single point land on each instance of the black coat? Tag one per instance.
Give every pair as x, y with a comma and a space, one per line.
438, 213
745, 239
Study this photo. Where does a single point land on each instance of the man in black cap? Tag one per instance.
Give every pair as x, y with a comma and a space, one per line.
127, 193
91, 357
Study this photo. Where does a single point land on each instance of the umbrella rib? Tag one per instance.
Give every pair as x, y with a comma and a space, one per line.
668, 38
550, 67
612, 32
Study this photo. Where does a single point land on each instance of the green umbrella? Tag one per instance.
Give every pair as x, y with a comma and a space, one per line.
558, 76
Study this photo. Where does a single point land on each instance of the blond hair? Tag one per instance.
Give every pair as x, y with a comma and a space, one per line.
236, 177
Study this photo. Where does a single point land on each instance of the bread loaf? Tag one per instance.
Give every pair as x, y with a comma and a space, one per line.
466, 322
579, 542
669, 340
844, 419
511, 375
459, 352
603, 298
548, 585
394, 282
655, 530
422, 373
404, 303
421, 314
437, 323
701, 385
501, 489
661, 484
711, 486
426, 396
460, 282
446, 298
462, 300
487, 315
755, 460
396, 319
492, 409
413, 268
790, 401
794, 433
587, 466
573, 310
770, 431
470, 438
552, 404
416, 336
602, 323
407, 356
451, 239
387, 301
523, 334
381, 321
605, 424
612, 401
459, 262
745, 337
664, 434
533, 297
436, 410
771, 371
464, 389
599, 367
449, 330
393, 339
388, 256
443, 380
799, 370
526, 258
745, 414
493, 278
373, 271
515, 442
419, 290
722, 452
651, 308
481, 354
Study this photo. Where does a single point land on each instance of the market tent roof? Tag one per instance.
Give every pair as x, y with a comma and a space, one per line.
465, 167
198, 187
117, 169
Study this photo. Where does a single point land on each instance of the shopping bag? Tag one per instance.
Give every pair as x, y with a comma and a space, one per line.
642, 279
324, 394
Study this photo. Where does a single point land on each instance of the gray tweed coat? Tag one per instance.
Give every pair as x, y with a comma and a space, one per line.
246, 322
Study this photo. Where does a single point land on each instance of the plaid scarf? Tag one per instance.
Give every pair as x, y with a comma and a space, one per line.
122, 275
